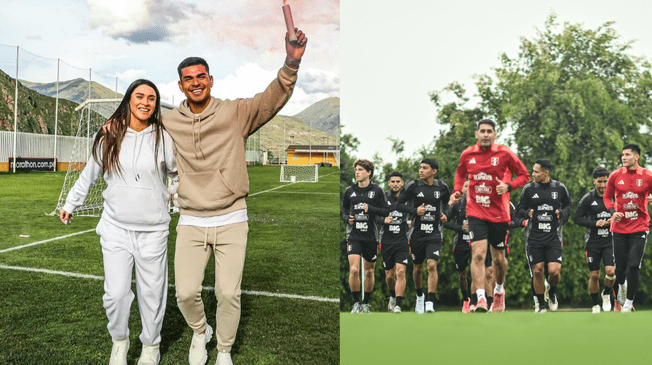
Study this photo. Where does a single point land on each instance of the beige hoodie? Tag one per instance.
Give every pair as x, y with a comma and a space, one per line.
210, 147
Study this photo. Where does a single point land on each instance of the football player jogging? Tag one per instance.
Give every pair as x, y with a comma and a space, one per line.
394, 244
487, 205
547, 205
429, 196
461, 245
592, 214
361, 231
629, 186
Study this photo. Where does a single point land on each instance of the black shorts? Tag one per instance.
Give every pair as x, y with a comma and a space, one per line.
395, 253
368, 250
462, 259
536, 254
495, 233
425, 250
629, 249
594, 255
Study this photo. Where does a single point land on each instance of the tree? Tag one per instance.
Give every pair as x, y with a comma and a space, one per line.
576, 97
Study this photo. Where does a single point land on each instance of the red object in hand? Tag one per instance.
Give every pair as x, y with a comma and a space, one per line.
287, 13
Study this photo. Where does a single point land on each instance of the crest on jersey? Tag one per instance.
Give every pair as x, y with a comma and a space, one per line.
494, 161
554, 195
639, 182
371, 194
437, 194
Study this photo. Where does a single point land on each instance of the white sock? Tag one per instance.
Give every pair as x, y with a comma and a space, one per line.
499, 288
629, 303
480, 293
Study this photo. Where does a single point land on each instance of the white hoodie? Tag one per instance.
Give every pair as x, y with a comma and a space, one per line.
137, 198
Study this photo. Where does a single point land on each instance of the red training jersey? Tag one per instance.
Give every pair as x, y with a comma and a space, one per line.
483, 169
630, 189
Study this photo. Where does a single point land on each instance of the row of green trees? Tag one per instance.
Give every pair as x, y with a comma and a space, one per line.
572, 95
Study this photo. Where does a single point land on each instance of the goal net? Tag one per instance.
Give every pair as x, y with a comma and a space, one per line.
92, 115
299, 173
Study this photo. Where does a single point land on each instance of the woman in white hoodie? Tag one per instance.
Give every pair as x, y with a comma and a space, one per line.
135, 157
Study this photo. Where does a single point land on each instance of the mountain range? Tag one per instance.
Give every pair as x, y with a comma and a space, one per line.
317, 124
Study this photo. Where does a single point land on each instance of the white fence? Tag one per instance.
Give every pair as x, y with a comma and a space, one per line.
35, 145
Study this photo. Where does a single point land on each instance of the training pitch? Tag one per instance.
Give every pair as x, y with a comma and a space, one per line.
517, 337
51, 281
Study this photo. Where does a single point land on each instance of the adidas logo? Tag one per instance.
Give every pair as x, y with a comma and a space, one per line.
472, 160
436, 252
352, 195
373, 258
621, 182
594, 203
535, 195
502, 244
405, 261
420, 195
559, 259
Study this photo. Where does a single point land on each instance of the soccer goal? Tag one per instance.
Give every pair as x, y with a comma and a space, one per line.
92, 115
299, 173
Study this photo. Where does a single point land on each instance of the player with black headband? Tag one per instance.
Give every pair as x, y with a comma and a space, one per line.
592, 214
461, 246
546, 204
428, 196
361, 231
487, 164
394, 243
629, 186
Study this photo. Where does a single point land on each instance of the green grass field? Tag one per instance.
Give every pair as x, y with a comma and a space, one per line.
518, 337
47, 317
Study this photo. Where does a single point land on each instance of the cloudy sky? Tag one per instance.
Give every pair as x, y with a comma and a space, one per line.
395, 52
242, 41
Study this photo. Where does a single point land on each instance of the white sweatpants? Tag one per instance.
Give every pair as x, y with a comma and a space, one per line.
148, 250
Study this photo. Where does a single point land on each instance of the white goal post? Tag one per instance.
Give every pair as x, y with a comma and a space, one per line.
299, 173
93, 114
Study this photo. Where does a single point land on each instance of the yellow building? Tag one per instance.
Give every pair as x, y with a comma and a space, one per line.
312, 154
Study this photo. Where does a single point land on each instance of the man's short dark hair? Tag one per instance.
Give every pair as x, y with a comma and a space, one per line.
394, 173
433, 164
545, 164
192, 61
600, 172
487, 121
633, 147
366, 164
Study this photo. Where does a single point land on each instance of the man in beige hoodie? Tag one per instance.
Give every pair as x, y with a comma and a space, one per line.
210, 136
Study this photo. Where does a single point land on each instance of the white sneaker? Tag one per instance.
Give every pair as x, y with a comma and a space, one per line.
626, 309
119, 352
546, 295
223, 358
622, 293
596, 309
536, 304
430, 307
198, 354
391, 304
150, 355
553, 303
397, 309
420, 304
606, 302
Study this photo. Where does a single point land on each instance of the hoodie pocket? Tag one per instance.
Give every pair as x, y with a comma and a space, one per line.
205, 190
135, 205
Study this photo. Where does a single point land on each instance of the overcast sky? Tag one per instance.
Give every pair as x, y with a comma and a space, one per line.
243, 42
395, 52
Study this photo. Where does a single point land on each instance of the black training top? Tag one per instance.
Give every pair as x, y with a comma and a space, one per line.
427, 227
544, 228
589, 211
396, 231
363, 228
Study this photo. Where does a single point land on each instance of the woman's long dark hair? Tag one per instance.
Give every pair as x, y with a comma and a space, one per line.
109, 142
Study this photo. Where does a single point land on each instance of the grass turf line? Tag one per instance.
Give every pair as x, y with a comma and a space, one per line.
493, 338
60, 320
